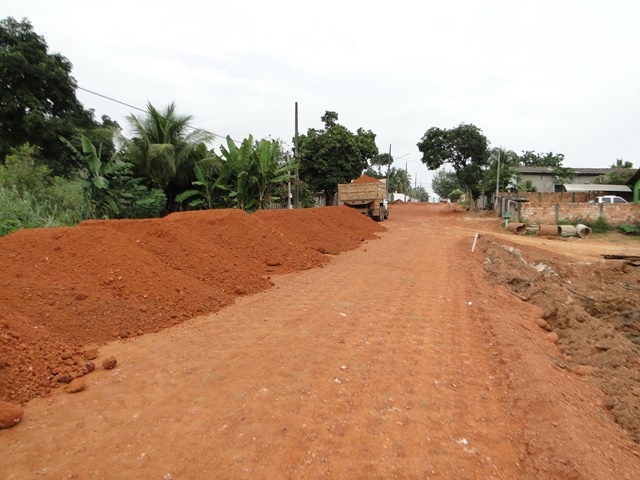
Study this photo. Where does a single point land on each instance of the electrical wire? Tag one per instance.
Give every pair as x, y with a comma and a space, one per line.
146, 111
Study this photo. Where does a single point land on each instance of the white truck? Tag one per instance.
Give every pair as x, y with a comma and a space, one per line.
368, 197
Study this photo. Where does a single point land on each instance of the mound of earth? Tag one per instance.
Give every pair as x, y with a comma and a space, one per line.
64, 288
592, 307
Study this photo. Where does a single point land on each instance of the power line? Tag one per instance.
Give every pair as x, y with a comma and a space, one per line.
146, 111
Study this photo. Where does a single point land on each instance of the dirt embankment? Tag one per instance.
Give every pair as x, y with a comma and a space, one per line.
594, 309
64, 288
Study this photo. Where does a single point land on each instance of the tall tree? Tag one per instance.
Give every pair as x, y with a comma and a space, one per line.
443, 183
38, 101
620, 172
622, 164
165, 148
530, 158
334, 155
465, 148
419, 193
379, 161
504, 159
399, 180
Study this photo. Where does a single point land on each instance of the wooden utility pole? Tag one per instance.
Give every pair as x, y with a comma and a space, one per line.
388, 168
498, 177
296, 156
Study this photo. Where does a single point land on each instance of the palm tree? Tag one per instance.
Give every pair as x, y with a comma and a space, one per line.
505, 160
165, 148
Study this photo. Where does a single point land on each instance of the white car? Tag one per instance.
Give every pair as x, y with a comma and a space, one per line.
608, 199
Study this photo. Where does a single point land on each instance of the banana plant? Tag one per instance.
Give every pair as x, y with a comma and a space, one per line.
99, 176
237, 170
270, 172
205, 192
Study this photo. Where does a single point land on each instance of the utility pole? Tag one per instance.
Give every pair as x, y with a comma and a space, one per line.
297, 159
497, 180
498, 176
388, 168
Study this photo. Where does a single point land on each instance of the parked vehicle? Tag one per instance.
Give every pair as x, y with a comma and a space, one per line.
608, 199
368, 198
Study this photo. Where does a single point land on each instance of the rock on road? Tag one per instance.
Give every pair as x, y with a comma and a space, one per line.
396, 360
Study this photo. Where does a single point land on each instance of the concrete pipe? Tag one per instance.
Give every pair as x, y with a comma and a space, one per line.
568, 231
517, 228
583, 231
549, 230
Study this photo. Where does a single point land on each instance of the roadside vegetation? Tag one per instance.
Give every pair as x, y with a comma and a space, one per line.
59, 165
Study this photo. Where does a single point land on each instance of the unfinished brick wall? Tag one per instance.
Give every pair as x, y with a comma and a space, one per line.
546, 213
559, 197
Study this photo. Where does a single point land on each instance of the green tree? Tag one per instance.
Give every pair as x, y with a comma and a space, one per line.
521, 186
205, 192
507, 159
105, 181
465, 148
38, 100
564, 174
530, 158
420, 193
456, 195
443, 183
165, 148
399, 180
236, 178
620, 172
272, 170
622, 164
334, 155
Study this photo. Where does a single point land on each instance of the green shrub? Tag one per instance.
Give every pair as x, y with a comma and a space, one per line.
599, 226
142, 202
630, 229
30, 197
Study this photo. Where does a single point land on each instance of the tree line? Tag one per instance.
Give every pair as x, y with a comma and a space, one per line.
60, 165
479, 170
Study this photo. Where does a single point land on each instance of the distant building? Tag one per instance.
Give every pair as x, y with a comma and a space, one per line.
545, 180
396, 196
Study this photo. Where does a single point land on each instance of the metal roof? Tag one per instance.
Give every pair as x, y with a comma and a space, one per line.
594, 187
576, 171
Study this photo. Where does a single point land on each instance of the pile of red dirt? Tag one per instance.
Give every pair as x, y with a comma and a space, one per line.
365, 179
64, 288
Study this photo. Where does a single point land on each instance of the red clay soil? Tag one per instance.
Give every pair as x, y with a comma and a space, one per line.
64, 288
365, 179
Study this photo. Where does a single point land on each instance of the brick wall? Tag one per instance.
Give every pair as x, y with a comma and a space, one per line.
534, 212
560, 197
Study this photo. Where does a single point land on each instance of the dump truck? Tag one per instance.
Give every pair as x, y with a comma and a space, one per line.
368, 197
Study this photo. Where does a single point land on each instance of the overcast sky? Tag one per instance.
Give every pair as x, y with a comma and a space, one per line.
561, 76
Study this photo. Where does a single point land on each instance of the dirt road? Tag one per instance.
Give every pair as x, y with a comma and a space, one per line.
395, 360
